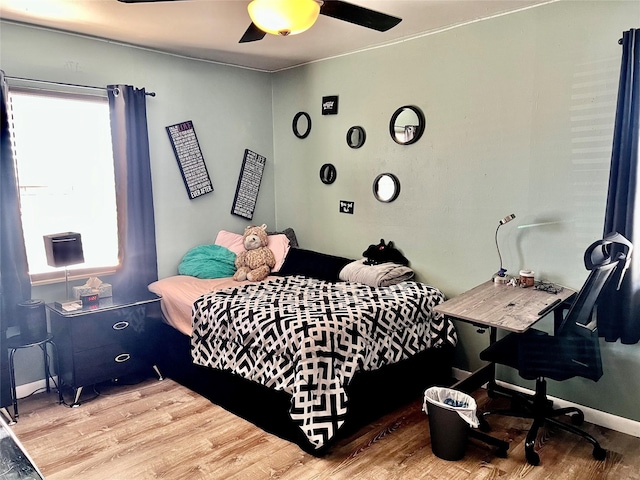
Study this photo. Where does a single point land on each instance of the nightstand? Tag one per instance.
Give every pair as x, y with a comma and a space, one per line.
103, 342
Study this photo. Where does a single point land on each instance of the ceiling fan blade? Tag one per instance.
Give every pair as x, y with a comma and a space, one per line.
253, 34
359, 15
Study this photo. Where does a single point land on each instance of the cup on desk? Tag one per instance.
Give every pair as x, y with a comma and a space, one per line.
526, 278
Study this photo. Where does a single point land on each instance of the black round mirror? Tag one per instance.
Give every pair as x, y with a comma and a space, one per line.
407, 125
328, 173
386, 187
301, 125
356, 137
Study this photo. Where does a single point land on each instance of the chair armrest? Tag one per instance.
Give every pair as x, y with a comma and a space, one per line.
591, 328
559, 312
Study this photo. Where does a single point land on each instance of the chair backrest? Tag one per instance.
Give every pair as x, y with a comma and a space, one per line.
606, 259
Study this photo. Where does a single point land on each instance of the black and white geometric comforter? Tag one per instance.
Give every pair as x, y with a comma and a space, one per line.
309, 337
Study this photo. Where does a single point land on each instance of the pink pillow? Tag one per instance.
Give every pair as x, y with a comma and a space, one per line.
278, 244
232, 241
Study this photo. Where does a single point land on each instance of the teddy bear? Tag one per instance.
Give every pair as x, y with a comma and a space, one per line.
256, 262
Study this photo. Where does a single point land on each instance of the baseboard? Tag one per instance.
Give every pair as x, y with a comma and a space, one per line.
23, 391
597, 417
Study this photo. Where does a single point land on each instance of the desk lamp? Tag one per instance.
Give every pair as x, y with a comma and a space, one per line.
500, 276
64, 249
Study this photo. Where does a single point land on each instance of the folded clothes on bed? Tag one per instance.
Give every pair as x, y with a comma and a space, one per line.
380, 275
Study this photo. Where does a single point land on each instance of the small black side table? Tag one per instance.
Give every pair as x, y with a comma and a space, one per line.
16, 342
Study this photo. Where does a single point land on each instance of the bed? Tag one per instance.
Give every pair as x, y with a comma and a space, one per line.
304, 355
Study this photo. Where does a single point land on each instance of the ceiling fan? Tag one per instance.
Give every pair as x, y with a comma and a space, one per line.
289, 17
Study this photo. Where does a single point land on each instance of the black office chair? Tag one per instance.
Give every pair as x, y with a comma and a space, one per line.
573, 350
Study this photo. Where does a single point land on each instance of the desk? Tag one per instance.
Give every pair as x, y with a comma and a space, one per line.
492, 305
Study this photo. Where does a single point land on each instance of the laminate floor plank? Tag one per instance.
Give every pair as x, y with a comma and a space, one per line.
162, 430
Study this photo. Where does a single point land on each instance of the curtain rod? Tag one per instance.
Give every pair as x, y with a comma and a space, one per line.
150, 94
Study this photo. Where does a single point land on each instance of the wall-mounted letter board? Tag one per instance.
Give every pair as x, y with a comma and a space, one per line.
248, 184
190, 160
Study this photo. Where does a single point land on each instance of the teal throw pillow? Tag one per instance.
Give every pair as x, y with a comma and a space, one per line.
208, 261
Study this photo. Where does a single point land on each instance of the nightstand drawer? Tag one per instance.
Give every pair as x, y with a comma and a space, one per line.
104, 328
104, 363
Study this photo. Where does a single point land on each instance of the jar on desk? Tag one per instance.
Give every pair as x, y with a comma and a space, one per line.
527, 278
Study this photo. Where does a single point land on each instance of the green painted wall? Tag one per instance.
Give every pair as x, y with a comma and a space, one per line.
230, 109
519, 112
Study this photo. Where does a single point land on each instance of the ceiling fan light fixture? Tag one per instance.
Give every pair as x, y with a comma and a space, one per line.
284, 17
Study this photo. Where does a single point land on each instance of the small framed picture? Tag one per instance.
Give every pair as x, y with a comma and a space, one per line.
347, 206
330, 105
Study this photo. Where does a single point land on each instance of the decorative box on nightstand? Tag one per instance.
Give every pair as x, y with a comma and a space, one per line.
102, 343
103, 290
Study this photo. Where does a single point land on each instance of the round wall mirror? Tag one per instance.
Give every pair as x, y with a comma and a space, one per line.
328, 173
301, 125
386, 187
407, 125
356, 137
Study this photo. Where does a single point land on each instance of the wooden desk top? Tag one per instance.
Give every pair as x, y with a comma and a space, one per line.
503, 306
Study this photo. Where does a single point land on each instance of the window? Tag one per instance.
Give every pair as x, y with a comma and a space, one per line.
64, 160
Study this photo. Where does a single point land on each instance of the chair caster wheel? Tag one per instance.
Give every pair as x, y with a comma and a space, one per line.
532, 457
577, 419
599, 453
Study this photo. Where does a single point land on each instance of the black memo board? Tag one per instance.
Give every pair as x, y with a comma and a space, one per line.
190, 160
248, 184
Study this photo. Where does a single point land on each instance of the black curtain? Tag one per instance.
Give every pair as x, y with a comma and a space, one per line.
619, 313
133, 191
15, 285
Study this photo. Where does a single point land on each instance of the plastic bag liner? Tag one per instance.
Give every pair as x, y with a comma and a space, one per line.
461, 403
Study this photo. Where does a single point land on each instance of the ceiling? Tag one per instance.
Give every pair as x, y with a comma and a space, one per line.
210, 29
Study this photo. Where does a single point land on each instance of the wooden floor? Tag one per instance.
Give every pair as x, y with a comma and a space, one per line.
159, 429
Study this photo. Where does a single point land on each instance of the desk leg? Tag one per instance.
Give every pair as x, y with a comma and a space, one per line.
477, 379
484, 375
503, 446
491, 384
